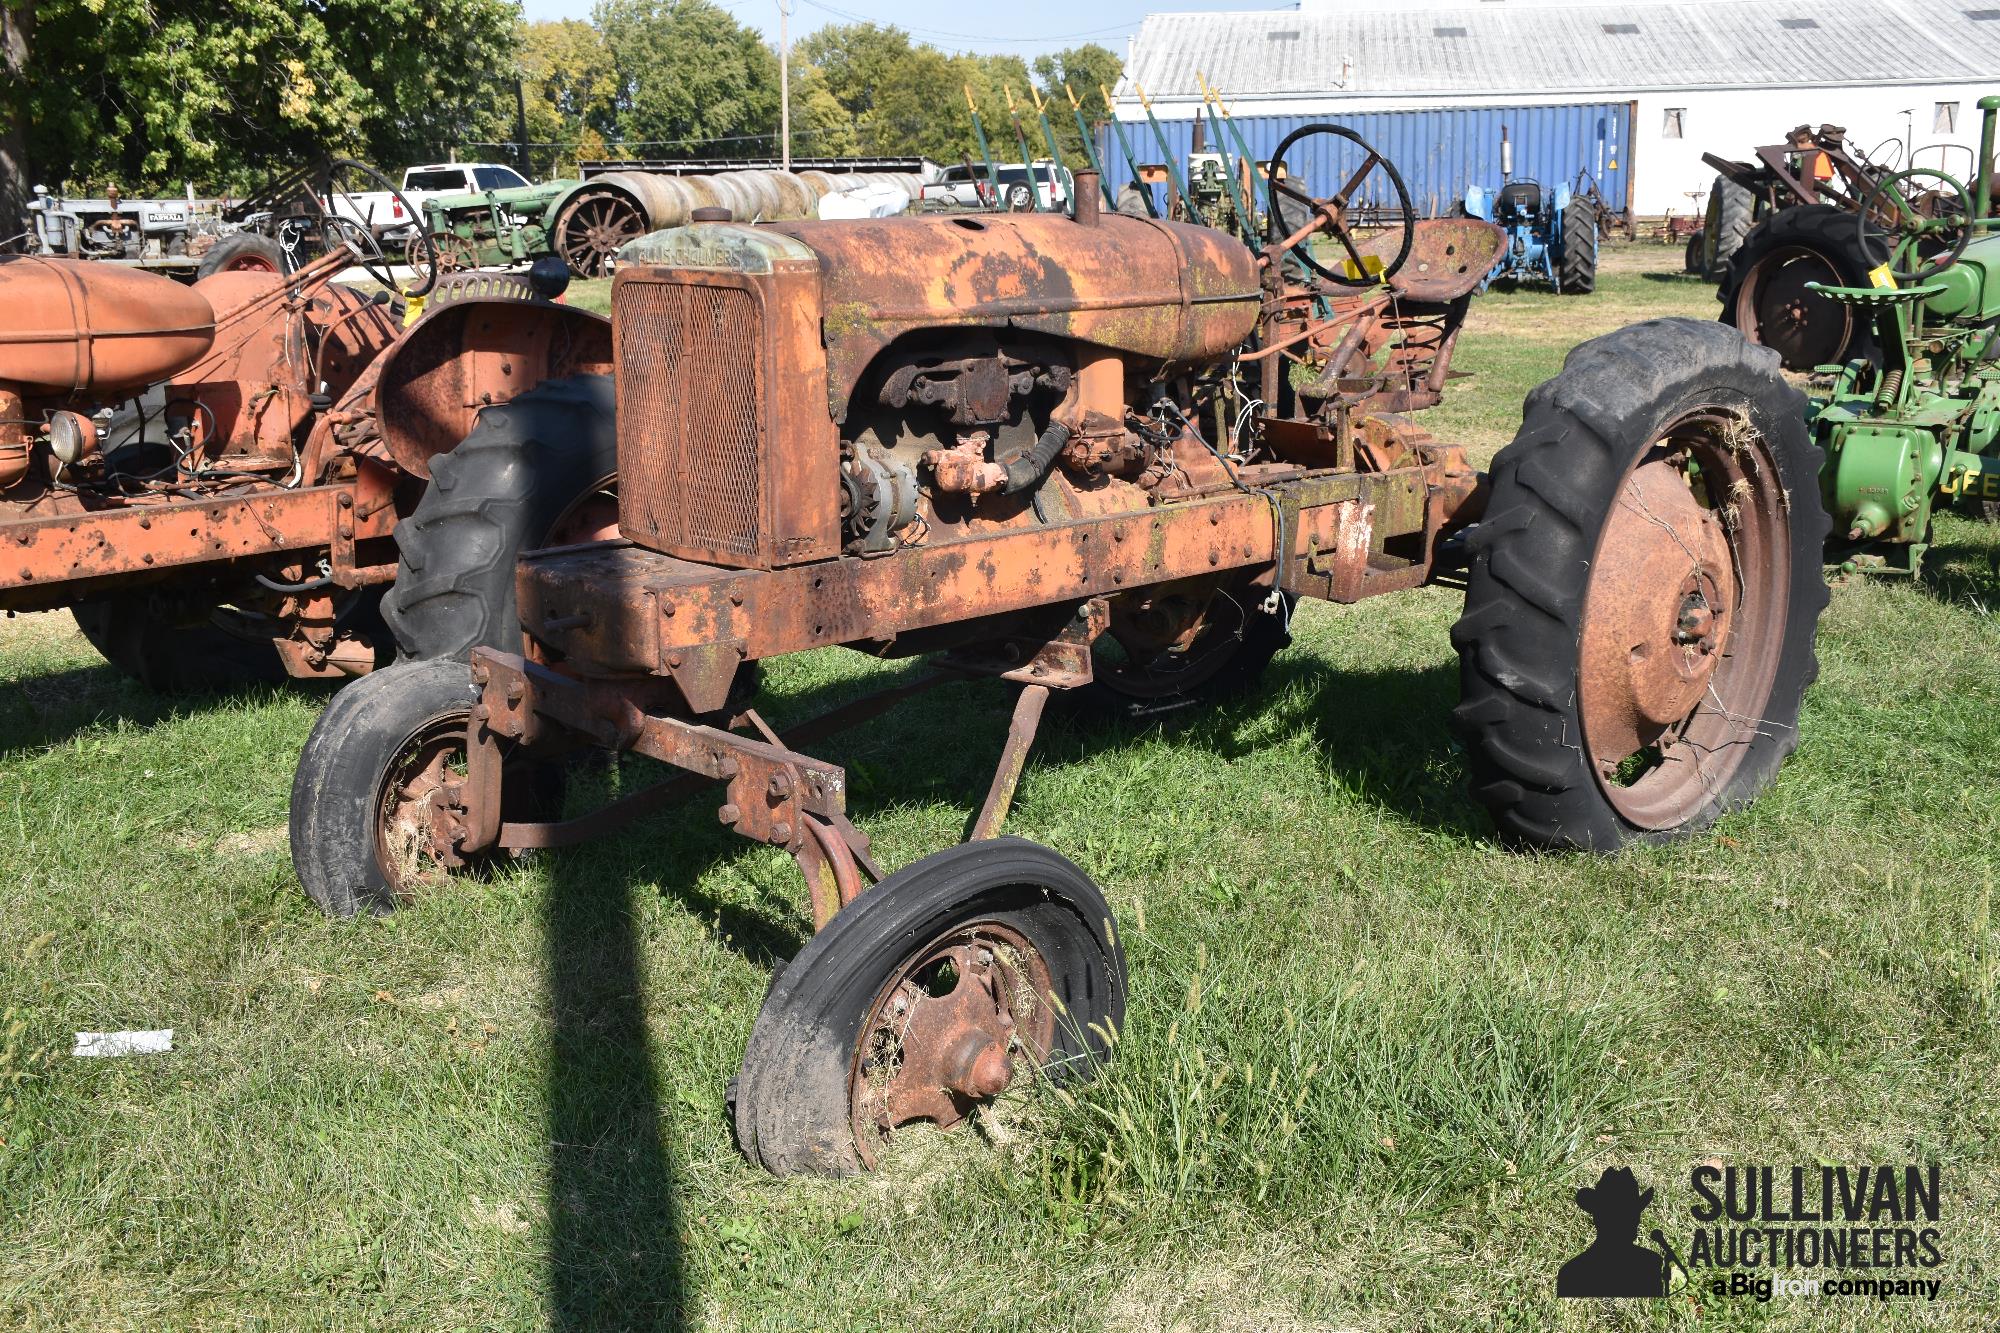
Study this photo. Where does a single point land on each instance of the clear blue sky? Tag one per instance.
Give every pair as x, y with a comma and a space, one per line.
1019, 27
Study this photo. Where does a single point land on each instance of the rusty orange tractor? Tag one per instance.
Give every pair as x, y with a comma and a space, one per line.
210, 476
1090, 453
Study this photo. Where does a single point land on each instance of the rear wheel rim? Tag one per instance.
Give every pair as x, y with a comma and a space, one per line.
593, 231
1775, 308
1683, 620
961, 1020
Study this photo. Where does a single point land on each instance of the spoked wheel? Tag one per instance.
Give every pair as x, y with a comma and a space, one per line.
373, 802
1181, 642
1644, 592
592, 228
952, 980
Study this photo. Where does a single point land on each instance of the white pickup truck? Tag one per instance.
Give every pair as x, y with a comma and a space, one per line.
379, 211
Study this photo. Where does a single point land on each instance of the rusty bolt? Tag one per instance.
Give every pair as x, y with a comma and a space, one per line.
673, 659
781, 785
1214, 519
781, 832
668, 610
1214, 557
480, 675
736, 599
346, 501
515, 691
480, 712
728, 768
728, 813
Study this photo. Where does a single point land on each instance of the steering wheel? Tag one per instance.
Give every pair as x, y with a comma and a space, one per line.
351, 222
1890, 217
1330, 214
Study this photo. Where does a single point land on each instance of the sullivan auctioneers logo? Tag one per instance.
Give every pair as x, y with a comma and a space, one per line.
1819, 1231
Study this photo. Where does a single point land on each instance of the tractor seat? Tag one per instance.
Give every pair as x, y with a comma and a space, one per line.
1519, 201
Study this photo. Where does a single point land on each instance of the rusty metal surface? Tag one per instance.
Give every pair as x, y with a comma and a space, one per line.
69, 324
1163, 292
1682, 618
431, 384
1448, 257
44, 556
726, 450
1013, 760
1660, 592
945, 1033
622, 608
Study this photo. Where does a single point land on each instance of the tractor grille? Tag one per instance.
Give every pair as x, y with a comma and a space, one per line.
689, 419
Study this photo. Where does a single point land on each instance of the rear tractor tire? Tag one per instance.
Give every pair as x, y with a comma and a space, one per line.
244, 252
536, 471
932, 993
1644, 591
1576, 270
1732, 211
1766, 293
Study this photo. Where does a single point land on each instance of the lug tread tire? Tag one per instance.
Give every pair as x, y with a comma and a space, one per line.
1732, 212
1822, 228
792, 1097
1518, 717
218, 256
493, 497
1577, 272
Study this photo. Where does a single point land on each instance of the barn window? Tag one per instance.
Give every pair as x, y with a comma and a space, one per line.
1447, 32
1796, 24
1617, 29
1670, 126
1944, 120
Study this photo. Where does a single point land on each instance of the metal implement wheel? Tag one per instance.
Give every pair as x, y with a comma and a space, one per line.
1332, 217
1644, 592
949, 982
592, 227
1933, 225
373, 801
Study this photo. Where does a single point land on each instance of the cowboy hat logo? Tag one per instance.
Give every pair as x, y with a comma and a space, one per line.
1615, 1264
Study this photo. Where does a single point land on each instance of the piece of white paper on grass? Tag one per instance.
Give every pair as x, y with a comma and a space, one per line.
124, 1043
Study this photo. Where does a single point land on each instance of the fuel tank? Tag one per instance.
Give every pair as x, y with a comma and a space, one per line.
71, 324
1163, 292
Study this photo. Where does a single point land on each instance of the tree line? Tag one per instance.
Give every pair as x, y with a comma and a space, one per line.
154, 94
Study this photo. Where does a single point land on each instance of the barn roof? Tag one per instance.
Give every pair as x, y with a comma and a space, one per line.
1509, 47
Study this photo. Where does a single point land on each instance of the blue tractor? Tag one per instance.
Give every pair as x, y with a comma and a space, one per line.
1551, 234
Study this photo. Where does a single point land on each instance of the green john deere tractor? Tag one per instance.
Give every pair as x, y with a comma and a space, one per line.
1923, 427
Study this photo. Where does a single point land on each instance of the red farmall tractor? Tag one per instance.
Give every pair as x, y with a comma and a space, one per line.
210, 476
1093, 453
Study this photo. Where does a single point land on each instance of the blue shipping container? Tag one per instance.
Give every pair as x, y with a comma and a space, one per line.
1439, 150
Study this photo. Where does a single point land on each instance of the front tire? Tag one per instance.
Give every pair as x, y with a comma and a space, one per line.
244, 252
1644, 592
373, 771
994, 949
534, 472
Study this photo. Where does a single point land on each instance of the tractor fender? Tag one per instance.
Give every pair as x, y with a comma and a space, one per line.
431, 384
1479, 202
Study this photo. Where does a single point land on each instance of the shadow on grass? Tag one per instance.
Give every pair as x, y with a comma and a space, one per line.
40, 711
1677, 279
1964, 574
614, 1236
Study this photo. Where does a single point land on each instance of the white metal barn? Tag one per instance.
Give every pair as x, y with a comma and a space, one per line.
1649, 87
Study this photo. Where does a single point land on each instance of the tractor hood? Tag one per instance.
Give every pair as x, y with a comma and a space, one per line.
1163, 292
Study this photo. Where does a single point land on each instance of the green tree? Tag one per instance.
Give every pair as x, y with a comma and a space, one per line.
690, 78
151, 93
571, 89
1083, 69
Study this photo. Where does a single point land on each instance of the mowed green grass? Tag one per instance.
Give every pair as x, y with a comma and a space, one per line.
1369, 1057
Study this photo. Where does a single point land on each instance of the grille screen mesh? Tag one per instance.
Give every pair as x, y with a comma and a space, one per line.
687, 418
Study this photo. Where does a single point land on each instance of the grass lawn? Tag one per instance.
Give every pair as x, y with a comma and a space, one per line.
1370, 1054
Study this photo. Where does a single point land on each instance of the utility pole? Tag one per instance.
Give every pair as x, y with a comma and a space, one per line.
785, 82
